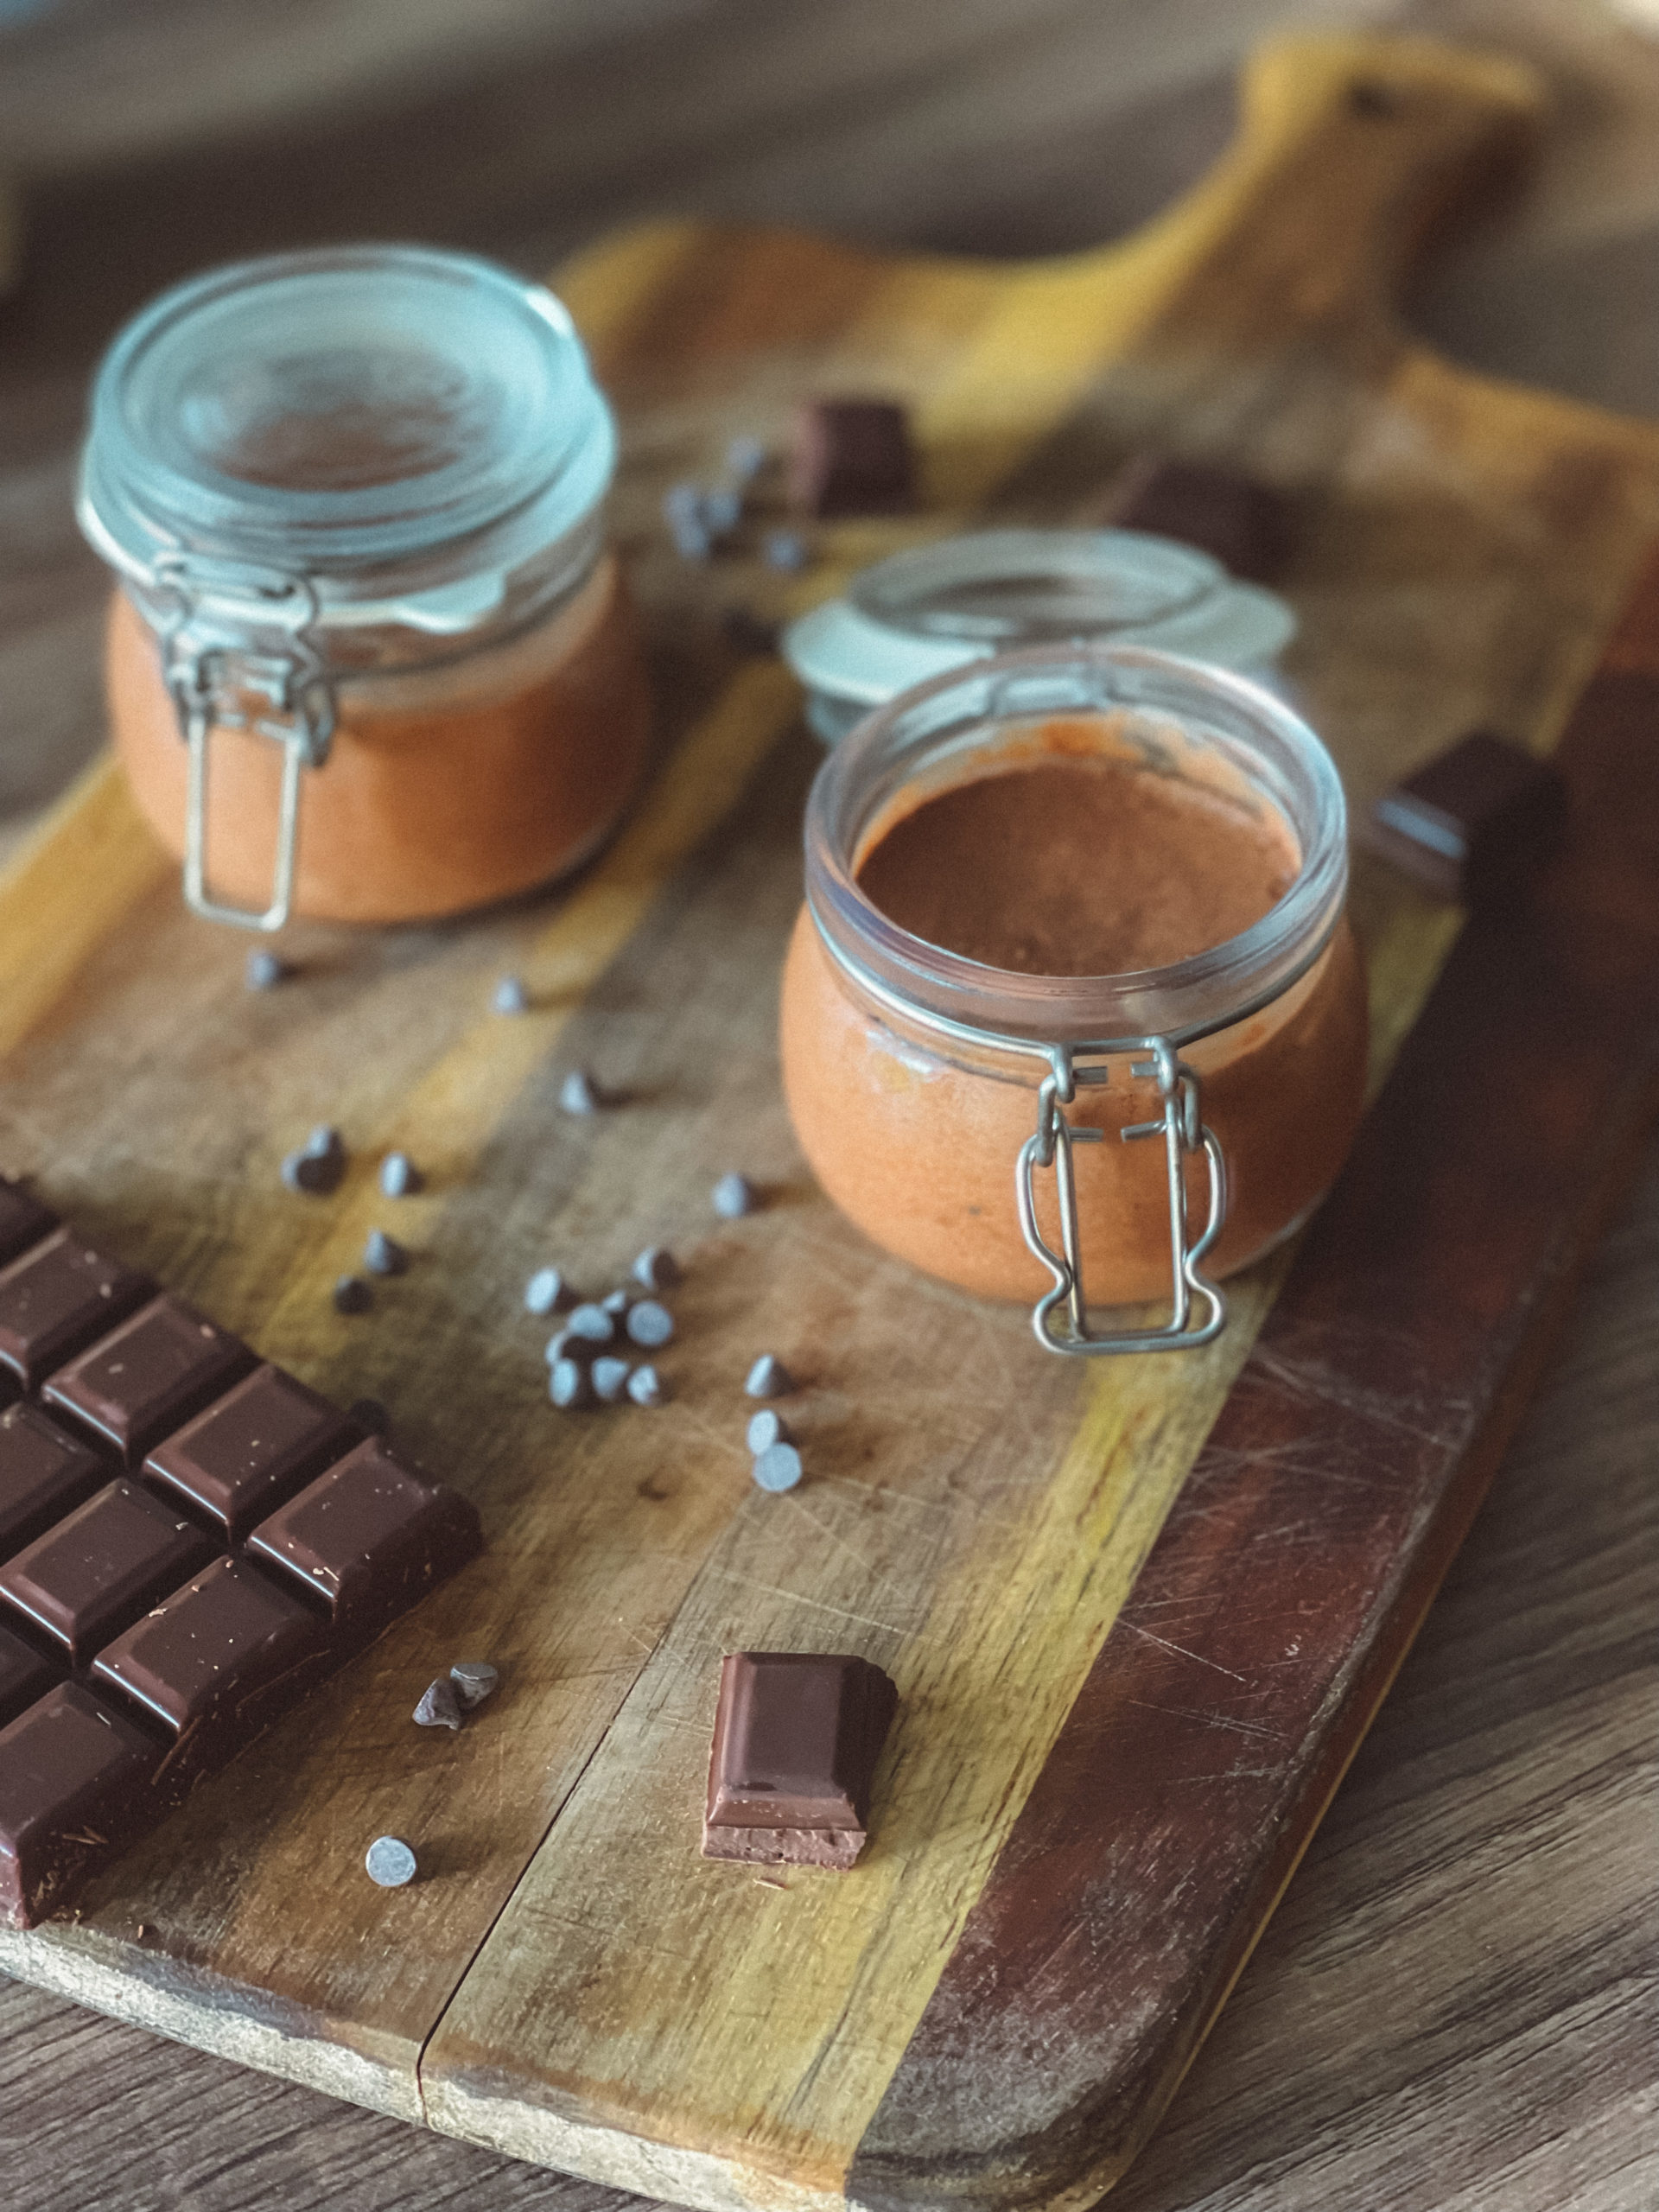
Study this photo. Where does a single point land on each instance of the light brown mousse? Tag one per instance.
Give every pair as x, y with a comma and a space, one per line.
1079, 864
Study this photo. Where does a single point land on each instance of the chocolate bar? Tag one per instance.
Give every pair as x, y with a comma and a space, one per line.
851, 457
186, 1550
797, 1738
1245, 525
1474, 820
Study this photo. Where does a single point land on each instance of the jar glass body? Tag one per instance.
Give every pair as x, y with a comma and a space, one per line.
912, 1075
362, 490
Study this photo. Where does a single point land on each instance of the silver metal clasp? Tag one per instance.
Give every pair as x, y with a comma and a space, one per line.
215, 683
1181, 1126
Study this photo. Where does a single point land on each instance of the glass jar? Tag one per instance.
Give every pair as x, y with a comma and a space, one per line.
1148, 1132
353, 499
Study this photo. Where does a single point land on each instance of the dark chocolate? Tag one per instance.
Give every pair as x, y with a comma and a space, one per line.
57, 1300
146, 1376
1245, 525
237, 1461
797, 1737
23, 1220
75, 1787
1474, 821
24, 1676
44, 1473
851, 457
96, 1570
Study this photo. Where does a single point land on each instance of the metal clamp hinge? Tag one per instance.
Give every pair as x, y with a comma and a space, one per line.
1182, 1127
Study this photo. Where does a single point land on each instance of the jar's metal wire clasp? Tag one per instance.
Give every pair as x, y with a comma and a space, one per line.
217, 685
1182, 1127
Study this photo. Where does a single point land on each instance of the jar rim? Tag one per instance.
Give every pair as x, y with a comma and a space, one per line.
957, 715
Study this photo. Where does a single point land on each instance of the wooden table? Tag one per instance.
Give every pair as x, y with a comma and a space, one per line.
1449, 2009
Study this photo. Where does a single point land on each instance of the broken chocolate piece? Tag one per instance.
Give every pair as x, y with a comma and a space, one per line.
237, 1462
94, 1571
75, 1788
797, 1737
1474, 821
1245, 525
56, 1300
148, 1375
44, 1473
851, 457
645, 1387
23, 1220
24, 1676
474, 1681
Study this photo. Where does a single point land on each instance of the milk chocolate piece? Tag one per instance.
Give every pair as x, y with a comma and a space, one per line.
96, 1570
851, 457
797, 1737
24, 1676
1473, 821
57, 1300
44, 1473
218, 1660
74, 1787
237, 1461
23, 1220
1245, 525
146, 1376
368, 1538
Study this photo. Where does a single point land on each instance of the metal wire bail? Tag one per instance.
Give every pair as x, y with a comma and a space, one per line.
1184, 1131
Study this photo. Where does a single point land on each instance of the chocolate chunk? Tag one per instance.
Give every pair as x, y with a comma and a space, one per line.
56, 1300
440, 1705
94, 1571
217, 1661
734, 1196
778, 1468
547, 1291
645, 1387
74, 1787
656, 1269
264, 970
384, 1254
568, 1384
650, 1325
236, 1462
593, 1324
797, 1738
578, 1093
45, 1473
24, 1676
510, 997
1245, 525
352, 1295
148, 1375
766, 1429
399, 1177
768, 1379
851, 457
1474, 821
390, 1862
787, 551
609, 1377
474, 1681
23, 1220
367, 1538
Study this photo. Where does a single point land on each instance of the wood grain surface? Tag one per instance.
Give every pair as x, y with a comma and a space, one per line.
1529, 700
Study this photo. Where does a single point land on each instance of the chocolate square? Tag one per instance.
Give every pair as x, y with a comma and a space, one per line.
56, 1300
218, 1659
239, 1460
74, 1783
146, 1376
23, 1220
797, 1737
1245, 525
367, 1538
851, 457
93, 1573
1474, 821
24, 1676
44, 1473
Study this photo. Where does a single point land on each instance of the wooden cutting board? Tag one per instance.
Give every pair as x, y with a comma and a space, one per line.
1097, 1784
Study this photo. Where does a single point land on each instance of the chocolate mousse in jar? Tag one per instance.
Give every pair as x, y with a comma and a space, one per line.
370, 658
1072, 1012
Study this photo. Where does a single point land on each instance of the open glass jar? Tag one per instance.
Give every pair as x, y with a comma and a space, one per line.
353, 498
1146, 1133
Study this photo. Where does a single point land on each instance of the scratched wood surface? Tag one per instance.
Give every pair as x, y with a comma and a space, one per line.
1464, 551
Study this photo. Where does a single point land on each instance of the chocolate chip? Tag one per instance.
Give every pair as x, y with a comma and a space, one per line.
650, 1325
440, 1707
578, 1093
722, 509
766, 1429
475, 1679
547, 1291
618, 1302
565, 1344
787, 551
352, 1295
399, 1177
384, 1254
510, 997
688, 526
567, 1384
610, 1377
734, 1196
778, 1468
768, 1379
656, 1269
645, 1387
746, 457
390, 1862
370, 1415
319, 1166
594, 1323
265, 971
